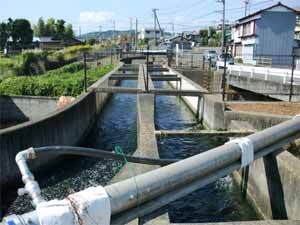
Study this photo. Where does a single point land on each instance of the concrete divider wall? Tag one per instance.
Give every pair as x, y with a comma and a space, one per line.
16, 109
67, 126
259, 121
211, 110
272, 185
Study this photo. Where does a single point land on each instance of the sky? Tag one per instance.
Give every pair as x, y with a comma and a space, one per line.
89, 15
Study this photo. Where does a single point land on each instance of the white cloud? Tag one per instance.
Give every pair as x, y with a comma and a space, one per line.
95, 17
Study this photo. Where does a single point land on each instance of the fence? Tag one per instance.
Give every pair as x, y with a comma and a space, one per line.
186, 59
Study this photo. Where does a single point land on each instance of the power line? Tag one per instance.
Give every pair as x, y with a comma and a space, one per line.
184, 9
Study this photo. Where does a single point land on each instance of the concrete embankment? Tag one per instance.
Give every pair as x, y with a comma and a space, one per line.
272, 185
265, 86
19, 109
67, 126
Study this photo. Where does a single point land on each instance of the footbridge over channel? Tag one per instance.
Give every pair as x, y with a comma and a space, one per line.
128, 199
281, 84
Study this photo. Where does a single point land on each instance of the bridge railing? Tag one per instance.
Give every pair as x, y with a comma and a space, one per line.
265, 73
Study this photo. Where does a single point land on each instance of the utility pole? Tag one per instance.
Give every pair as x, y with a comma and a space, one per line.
154, 15
136, 33
80, 31
173, 29
131, 34
223, 26
246, 6
114, 29
100, 32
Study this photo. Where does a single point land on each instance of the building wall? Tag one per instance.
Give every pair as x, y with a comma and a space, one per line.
149, 34
275, 32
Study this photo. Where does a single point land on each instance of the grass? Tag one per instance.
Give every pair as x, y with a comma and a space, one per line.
37, 62
67, 81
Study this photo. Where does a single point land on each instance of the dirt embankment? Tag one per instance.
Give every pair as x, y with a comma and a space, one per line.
278, 108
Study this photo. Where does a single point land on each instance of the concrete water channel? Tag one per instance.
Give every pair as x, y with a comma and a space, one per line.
148, 118
117, 126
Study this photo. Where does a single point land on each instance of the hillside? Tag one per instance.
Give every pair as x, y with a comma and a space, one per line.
109, 34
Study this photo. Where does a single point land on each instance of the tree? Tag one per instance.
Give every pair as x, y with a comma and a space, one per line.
59, 29
21, 32
40, 28
50, 27
204, 37
91, 41
69, 33
4, 35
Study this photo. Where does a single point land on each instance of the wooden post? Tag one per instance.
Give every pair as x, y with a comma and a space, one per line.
85, 72
111, 56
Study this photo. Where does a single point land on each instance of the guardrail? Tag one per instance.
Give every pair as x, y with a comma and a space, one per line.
264, 73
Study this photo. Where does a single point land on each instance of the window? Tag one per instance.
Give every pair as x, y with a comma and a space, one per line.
248, 29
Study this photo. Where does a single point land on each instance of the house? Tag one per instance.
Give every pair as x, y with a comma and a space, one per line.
267, 34
50, 43
149, 34
182, 41
297, 28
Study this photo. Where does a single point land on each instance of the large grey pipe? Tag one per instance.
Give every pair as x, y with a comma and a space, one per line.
132, 192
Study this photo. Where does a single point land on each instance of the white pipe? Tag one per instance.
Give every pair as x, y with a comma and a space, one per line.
31, 187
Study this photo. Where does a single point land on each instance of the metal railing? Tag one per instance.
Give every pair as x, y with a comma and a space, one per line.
264, 73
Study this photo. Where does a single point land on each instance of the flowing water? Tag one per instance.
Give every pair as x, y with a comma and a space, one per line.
116, 126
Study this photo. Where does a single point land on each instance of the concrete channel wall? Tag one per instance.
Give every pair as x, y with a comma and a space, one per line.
211, 107
67, 126
262, 86
272, 185
258, 121
18, 109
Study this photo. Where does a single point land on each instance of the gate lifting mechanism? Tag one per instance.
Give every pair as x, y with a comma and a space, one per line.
129, 199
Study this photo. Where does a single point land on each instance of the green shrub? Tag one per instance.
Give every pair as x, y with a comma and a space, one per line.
77, 49
31, 63
67, 81
239, 60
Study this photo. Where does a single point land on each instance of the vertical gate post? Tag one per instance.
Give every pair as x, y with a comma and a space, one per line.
85, 71
292, 78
